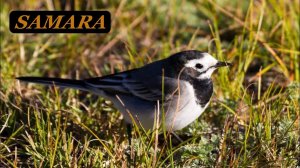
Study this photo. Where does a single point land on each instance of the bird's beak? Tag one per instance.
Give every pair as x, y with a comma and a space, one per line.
221, 64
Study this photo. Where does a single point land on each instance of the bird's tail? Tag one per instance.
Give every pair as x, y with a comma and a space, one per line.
68, 83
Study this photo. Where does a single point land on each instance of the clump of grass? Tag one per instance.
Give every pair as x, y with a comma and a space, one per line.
253, 118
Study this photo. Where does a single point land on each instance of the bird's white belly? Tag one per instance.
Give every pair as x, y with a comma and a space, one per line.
184, 109
178, 119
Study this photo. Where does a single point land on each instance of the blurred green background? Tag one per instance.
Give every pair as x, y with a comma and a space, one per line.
253, 118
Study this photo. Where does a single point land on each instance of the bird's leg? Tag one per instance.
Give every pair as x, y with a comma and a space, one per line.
129, 136
129, 133
177, 137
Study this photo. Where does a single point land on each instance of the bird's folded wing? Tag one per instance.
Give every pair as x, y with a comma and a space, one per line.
110, 83
124, 83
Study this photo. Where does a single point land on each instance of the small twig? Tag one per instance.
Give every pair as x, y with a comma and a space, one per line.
222, 142
156, 134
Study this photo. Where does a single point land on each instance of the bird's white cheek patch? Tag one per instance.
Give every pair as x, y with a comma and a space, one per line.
207, 74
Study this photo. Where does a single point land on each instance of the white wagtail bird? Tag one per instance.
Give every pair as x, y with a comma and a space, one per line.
181, 83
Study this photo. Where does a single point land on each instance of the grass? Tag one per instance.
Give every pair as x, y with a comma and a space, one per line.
252, 120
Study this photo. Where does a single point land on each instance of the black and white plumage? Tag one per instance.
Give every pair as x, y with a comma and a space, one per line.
186, 91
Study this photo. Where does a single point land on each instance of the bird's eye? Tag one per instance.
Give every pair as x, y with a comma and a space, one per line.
199, 66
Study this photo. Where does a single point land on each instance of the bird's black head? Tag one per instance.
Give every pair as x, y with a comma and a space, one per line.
195, 64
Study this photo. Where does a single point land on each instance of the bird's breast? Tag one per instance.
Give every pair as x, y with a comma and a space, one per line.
184, 108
